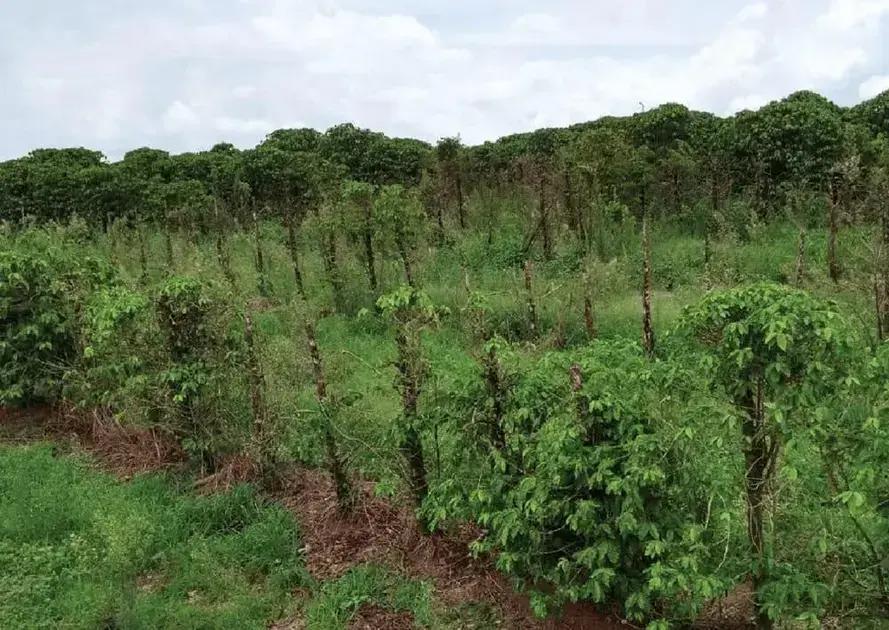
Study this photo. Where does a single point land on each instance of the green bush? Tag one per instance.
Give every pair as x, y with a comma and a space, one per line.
184, 308
119, 351
43, 282
200, 364
603, 493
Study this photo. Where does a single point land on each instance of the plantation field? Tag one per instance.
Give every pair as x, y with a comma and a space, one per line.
151, 553
624, 374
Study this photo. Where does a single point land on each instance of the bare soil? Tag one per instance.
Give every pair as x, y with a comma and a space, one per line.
122, 450
371, 617
734, 611
378, 531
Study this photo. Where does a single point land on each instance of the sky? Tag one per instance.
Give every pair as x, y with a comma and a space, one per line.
183, 75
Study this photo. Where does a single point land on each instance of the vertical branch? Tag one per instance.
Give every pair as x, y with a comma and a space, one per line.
458, 182
168, 242
261, 437
647, 330
589, 315
475, 310
801, 258
760, 451
497, 395
529, 295
572, 208
263, 280
111, 231
222, 255
832, 229
582, 403
224, 259
330, 267
344, 493
545, 228
143, 256
367, 235
439, 218
405, 257
294, 255
559, 340
410, 375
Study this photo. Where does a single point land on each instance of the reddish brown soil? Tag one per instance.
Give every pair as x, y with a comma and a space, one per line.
232, 470
122, 450
377, 531
371, 617
733, 612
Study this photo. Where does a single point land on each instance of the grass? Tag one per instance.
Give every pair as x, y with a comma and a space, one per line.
82, 550
339, 600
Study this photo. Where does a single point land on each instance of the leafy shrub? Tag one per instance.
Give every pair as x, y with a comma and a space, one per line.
599, 492
612, 232
505, 251
184, 308
778, 353
201, 359
119, 350
42, 283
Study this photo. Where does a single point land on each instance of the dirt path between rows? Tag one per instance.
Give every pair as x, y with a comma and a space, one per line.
121, 450
379, 531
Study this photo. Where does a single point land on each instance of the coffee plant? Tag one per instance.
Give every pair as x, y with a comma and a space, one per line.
44, 278
594, 487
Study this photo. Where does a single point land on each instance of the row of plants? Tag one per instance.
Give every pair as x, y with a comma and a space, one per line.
748, 446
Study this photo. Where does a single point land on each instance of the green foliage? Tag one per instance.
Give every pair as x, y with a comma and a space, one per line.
339, 600
778, 353
42, 282
797, 343
118, 330
406, 304
797, 139
184, 308
625, 486
399, 216
372, 157
597, 492
853, 440
874, 113
193, 321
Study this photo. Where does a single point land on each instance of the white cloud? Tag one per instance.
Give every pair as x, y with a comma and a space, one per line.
752, 12
749, 101
179, 117
228, 124
847, 14
872, 86
244, 91
187, 75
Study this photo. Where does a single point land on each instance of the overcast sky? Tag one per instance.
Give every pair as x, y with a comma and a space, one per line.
183, 75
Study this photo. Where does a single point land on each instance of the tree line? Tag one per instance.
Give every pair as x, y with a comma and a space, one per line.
665, 160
